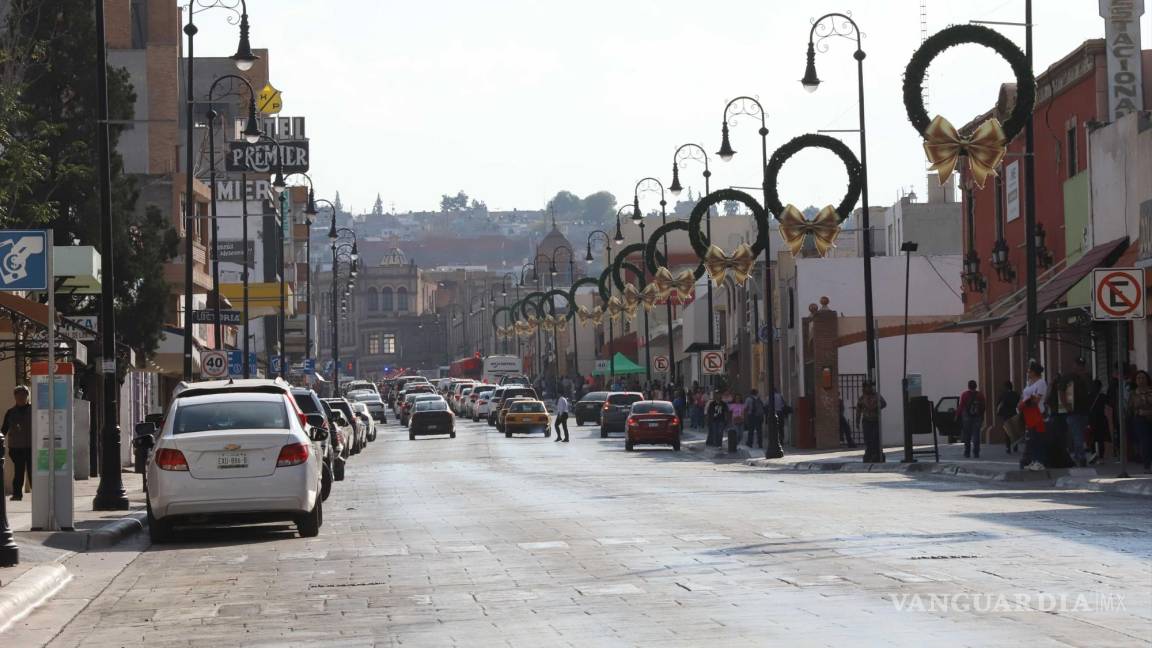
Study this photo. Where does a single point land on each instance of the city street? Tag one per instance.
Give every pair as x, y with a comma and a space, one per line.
488, 541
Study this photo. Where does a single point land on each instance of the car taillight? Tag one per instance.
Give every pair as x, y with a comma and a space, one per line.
675, 421
631, 421
606, 407
169, 459
292, 454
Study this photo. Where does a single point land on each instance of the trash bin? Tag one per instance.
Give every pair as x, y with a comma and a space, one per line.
143, 440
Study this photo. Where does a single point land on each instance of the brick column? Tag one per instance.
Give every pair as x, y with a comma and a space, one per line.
823, 332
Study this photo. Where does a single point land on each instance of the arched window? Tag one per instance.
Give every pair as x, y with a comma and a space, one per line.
386, 299
402, 299
373, 300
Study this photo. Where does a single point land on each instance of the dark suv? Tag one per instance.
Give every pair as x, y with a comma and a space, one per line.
614, 411
309, 403
588, 407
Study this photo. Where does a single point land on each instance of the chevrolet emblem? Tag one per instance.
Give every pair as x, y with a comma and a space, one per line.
232, 446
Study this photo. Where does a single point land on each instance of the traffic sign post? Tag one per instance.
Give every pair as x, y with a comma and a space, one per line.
660, 364
712, 362
214, 365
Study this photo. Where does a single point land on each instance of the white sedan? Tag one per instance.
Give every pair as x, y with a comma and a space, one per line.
234, 458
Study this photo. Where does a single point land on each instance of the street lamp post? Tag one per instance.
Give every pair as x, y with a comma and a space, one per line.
537, 279
244, 59
907, 248
352, 256
638, 220
313, 208
608, 262
696, 152
571, 307
480, 323
752, 107
668, 301
504, 296
842, 25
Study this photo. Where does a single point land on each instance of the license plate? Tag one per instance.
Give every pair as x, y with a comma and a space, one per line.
653, 425
232, 460
433, 427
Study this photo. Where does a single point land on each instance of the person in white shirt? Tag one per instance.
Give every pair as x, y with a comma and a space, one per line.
1035, 394
562, 418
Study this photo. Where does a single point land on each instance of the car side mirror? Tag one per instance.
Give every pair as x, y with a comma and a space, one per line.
318, 434
316, 421
144, 437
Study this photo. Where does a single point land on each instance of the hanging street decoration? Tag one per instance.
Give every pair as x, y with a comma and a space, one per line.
717, 262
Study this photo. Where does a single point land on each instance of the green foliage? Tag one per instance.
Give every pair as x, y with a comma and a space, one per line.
599, 207
457, 203
565, 205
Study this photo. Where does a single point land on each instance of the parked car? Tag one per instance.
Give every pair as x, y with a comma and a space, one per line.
378, 411
342, 428
589, 406
515, 379
454, 394
409, 403
526, 416
310, 405
479, 395
366, 421
505, 405
234, 457
614, 412
462, 400
419, 388
359, 434
652, 422
431, 416
506, 392
356, 385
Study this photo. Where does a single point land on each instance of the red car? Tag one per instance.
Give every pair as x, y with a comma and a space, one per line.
652, 422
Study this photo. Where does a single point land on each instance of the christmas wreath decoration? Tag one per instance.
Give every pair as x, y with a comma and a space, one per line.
507, 331
584, 315
554, 321
632, 295
679, 285
824, 229
718, 263
986, 146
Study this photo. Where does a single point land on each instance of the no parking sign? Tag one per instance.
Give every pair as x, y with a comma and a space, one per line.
1118, 294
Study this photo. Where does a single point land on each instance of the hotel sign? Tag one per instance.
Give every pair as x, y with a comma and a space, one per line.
1122, 42
262, 157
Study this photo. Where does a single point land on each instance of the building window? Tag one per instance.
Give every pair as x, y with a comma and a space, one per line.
389, 346
1071, 152
373, 344
402, 299
373, 300
386, 299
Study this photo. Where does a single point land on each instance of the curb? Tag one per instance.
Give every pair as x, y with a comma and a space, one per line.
742, 452
1057, 478
29, 591
114, 532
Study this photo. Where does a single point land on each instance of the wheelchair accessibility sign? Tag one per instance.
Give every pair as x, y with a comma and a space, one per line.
23, 260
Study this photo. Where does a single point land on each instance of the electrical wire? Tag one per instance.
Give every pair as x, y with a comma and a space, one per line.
942, 279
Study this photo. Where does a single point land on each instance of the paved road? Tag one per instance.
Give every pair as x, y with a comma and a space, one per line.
487, 541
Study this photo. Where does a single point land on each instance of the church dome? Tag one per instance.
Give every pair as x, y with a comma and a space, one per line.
394, 257
552, 241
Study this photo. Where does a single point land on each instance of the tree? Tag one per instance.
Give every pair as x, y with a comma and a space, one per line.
565, 204
55, 107
478, 209
599, 207
378, 206
731, 208
457, 203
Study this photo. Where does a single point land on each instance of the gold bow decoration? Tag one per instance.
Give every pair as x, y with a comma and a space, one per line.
522, 329
504, 332
559, 323
794, 228
985, 148
651, 295
616, 308
679, 286
719, 264
584, 316
631, 300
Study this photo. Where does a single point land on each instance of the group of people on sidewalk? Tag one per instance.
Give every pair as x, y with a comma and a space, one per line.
730, 412
1066, 422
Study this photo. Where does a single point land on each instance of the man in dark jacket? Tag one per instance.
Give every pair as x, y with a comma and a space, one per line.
716, 413
1076, 401
17, 430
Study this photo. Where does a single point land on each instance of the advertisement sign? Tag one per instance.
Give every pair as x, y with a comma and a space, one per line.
262, 157
1122, 44
1012, 191
23, 260
232, 251
227, 317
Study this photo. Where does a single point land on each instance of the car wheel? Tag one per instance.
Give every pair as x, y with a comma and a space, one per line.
451, 435
579, 422
338, 471
628, 446
325, 481
159, 531
676, 446
603, 432
308, 525
507, 435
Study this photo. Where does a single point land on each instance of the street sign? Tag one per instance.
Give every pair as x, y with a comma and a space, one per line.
660, 364
712, 362
236, 363
306, 367
274, 365
269, 101
23, 260
227, 317
214, 365
601, 366
88, 322
262, 157
1118, 294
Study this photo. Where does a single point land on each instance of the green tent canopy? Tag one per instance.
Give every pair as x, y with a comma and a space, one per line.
623, 366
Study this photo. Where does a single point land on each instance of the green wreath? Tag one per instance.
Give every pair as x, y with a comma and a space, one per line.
959, 35
699, 240
621, 261
654, 259
814, 140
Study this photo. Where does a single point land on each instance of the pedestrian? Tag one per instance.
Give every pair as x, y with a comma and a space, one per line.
868, 408
562, 417
679, 404
781, 408
970, 413
1076, 398
1005, 410
1098, 423
17, 429
736, 418
845, 427
716, 413
754, 419
698, 405
1140, 413
1033, 407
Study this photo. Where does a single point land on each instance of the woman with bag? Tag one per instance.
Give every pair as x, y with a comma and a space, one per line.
1033, 408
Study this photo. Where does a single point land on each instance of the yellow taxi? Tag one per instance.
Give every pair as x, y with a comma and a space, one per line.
525, 416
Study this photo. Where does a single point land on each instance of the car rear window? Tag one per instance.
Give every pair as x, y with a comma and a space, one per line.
653, 407
624, 399
527, 406
306, 402
598, 397
525, 392
230, 415
432, 406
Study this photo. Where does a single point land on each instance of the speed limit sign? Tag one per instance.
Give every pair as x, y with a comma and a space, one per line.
214, 364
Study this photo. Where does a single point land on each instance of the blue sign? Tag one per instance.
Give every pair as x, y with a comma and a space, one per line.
763, 334
328, 366
23, 260
274, 365
236, 362
309, 366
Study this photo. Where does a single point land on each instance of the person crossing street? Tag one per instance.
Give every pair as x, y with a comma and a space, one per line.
562, 417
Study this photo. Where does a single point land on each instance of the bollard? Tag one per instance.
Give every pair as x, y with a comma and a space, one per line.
9, 552
733, 439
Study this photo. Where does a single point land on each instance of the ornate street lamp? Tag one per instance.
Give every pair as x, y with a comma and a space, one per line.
649, 184
608, 263
696, 152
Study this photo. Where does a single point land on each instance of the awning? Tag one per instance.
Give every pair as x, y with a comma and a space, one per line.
1048, 294
620, 365
169, 357
15, 308
263, 297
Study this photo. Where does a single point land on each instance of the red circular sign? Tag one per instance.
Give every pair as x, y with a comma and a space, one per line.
1112, 299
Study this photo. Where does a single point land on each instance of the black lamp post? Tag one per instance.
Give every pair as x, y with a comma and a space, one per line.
349, 253
638, 220
907, 248
668, 301
572, 307
244, 59
842, 25
696, 152
536, 272
588, 258
313, 208
504, 297
472, 311
753, 108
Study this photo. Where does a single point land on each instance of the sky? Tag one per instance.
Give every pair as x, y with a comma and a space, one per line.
514, 100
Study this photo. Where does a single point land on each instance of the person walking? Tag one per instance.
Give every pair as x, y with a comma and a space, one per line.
970, 413
17, 429
716, 413
754, 419
1140, 413
1075, 399
736, 418
1098, 423
868, 408
561, 417
1005, 410
845, 427
1033, 407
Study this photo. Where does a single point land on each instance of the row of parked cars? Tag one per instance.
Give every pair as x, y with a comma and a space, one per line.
252, 450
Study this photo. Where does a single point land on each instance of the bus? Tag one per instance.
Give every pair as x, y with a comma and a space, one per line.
499, 366
470, 367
